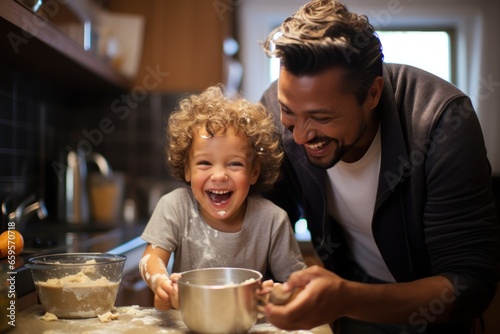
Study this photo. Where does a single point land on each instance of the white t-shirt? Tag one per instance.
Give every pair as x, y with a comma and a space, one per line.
353, 191
266, 240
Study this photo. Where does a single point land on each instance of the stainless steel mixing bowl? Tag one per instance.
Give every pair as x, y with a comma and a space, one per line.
219, 300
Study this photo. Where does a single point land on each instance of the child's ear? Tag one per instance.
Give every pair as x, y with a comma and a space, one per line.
255, 172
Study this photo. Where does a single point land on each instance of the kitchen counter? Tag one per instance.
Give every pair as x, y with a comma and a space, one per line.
131, 319
47, 237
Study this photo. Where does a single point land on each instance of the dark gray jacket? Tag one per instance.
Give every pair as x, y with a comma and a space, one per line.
434, 212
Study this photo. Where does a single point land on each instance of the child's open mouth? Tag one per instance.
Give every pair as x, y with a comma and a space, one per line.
219, 197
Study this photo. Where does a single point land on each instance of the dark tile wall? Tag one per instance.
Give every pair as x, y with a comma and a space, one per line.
40, 121
131, 137
32, 116
133, 142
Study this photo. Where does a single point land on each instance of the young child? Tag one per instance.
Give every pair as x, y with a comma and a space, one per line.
226, 151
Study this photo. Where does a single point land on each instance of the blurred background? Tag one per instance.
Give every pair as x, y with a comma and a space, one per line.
86, 87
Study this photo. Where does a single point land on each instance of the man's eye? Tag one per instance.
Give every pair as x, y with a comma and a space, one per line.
285, 111
321, 119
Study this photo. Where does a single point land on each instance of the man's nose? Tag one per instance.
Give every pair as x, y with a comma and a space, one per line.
301, 134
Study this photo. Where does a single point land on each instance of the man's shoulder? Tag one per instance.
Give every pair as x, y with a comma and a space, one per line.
406, 77
418, 94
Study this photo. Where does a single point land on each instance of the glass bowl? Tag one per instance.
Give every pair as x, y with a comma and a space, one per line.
77, 285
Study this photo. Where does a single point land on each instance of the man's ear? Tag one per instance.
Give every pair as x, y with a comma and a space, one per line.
375, 92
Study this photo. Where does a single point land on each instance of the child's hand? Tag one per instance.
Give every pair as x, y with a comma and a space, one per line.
175, 294
166, 294
175, 277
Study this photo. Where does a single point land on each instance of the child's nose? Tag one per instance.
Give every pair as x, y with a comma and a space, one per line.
219, 175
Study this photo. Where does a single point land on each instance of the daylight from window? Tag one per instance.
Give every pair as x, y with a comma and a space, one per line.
429, 50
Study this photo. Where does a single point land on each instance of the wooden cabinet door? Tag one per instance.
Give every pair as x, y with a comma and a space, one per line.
182, 38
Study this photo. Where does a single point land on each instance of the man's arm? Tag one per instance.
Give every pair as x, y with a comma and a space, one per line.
326, 297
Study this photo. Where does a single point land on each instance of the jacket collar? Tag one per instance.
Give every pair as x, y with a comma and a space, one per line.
395, 165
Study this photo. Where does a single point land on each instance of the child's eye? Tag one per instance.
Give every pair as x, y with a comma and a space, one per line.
203, 163
235, 164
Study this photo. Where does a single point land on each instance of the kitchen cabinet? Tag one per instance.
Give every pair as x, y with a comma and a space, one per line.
33, 45
182, 38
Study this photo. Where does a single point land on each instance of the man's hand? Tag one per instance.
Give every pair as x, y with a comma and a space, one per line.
318, 290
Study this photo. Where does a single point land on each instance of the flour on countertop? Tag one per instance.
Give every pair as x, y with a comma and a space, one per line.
268, 328
133, 309
108, 316
132, 320
49, 317
147, 320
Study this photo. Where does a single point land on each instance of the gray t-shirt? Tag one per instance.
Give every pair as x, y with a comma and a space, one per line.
265, 242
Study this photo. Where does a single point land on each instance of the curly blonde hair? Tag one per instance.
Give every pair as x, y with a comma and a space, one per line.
216, 113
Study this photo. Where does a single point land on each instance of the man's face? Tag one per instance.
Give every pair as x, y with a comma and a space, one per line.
330, 124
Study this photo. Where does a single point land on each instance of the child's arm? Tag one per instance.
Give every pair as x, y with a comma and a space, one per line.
153, 270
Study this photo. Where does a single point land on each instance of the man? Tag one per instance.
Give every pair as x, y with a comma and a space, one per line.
388, 165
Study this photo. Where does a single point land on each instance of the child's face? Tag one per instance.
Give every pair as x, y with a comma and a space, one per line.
221, 169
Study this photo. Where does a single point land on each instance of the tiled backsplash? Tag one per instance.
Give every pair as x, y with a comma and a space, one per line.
31, 119
39, 122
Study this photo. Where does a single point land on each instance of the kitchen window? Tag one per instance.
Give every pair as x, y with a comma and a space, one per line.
428, 50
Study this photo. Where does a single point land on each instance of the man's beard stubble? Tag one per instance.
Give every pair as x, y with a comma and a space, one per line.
337, 156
